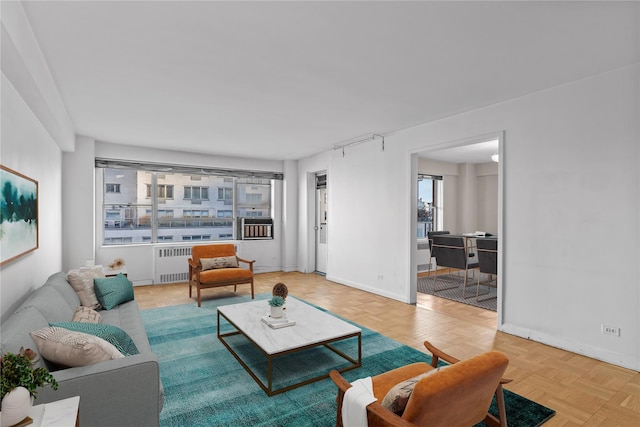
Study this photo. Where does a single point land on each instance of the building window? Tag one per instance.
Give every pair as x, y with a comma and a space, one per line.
196, 193
194, 237
164, 191
112, 188
118, 240
195, 213
225, 193
178, 211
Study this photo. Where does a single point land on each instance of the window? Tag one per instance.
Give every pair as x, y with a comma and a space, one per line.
178, 211
164, 191
191, 213
118, 240
197, 237
429, 204
253, 197
225, 193
196, 193
112, 188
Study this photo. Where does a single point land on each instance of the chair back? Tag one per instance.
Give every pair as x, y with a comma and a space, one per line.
450, 251
459, 394
213, 251
430, 235
488, 255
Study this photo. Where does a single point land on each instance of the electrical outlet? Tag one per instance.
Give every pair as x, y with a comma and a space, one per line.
380, 277
610, 330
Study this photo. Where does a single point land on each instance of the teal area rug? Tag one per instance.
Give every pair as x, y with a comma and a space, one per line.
204, 385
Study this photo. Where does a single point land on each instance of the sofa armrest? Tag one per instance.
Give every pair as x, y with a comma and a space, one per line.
118, 392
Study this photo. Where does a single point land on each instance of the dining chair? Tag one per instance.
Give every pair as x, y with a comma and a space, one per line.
487, 250
451, 252
430, 235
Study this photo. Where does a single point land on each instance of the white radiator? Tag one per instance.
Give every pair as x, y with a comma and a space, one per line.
170, 264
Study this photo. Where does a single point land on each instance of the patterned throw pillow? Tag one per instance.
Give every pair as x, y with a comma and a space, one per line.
71, 348
86, 314
112, 291
82, 282
110, 333
396, 399
220, 262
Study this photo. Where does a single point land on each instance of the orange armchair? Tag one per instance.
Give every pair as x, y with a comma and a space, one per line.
459, 395
224, 276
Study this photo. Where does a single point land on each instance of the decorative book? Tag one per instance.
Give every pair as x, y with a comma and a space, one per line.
278, 323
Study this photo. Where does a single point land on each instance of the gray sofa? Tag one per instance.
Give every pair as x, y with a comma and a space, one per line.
120, 392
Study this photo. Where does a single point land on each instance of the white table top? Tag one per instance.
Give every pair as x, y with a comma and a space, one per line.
61, 413
312, 325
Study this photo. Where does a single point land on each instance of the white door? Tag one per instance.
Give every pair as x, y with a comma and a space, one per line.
321, 224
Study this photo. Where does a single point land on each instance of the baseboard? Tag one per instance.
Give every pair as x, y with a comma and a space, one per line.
369, 289
597, 353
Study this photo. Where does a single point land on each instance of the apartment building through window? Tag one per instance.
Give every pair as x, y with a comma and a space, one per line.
146, 206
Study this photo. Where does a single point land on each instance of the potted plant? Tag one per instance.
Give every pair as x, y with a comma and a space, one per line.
277, 306
19, 383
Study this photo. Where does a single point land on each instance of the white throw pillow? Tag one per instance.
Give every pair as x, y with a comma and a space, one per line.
82, 282
70, 348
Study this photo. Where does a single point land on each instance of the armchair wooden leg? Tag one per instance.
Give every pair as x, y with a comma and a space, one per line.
199, 304
502, 411
501, 421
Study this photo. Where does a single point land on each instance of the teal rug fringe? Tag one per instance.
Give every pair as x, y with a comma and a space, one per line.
204, 385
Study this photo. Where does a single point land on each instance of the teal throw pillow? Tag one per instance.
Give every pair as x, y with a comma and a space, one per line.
112, 291
110, 333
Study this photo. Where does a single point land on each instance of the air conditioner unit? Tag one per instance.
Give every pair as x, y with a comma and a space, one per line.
255, 228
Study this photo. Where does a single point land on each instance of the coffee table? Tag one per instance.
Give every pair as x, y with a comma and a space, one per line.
313, 328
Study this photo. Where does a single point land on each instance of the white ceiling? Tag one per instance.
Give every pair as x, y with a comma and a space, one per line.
283, 80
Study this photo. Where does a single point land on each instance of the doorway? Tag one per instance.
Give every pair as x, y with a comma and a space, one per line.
472, 197
321, 225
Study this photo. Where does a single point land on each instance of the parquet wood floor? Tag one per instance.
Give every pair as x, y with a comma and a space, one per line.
582, 391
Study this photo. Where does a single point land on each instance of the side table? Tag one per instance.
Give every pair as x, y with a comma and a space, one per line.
108, 272
61, 413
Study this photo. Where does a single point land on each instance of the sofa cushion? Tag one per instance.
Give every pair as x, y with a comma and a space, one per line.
86, 314
61, 284
112, 334
219, 262
82, 283
127, 317
70, 348
48, 301
16, 329
112, 291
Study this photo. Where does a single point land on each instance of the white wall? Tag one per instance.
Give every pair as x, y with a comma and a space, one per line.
34, 126
471, 203
29, 149
571, 181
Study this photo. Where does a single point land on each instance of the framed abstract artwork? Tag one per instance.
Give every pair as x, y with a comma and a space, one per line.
18, 215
